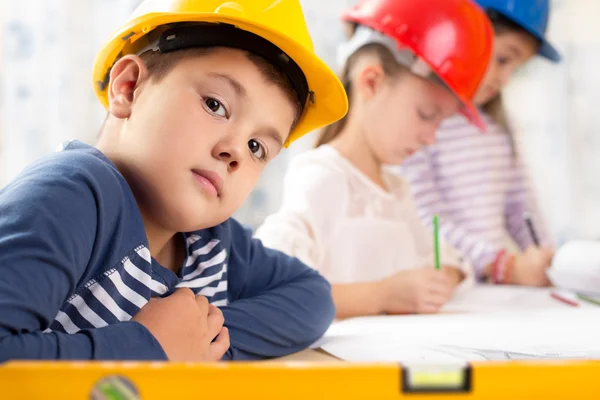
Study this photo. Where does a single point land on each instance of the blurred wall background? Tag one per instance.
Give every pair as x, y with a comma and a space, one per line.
47, 48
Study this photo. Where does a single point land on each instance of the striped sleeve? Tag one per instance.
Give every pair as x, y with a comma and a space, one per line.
520, 199
49, 227
424, 240
419, 172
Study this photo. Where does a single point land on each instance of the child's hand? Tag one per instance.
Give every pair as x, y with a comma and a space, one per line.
454, 274
185, 325
419, 290
530, 267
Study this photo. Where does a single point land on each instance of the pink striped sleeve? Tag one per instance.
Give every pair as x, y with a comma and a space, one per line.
520, 199
420, 173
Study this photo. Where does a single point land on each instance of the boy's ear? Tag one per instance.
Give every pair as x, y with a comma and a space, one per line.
370, 80
125, 77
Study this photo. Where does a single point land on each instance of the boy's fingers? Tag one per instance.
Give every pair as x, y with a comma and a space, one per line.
212, 309
220, 346
203, 305
215, 321
183, 292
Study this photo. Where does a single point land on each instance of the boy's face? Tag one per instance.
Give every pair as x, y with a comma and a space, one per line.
194, 145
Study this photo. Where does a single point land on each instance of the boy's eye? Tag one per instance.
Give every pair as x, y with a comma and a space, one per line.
215, 107
257, 149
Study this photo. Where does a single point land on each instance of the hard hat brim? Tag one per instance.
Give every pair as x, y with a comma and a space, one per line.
546, 50
328, 105
549, 52
474, 116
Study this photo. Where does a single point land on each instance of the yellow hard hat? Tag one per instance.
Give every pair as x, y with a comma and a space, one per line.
241, 24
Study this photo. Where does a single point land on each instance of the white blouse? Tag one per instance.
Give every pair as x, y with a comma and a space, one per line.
338, 221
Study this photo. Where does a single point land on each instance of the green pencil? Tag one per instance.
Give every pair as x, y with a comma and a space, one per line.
436, 240
588, 299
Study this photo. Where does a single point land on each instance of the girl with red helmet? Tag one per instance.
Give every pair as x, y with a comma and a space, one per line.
477, 184
407, 65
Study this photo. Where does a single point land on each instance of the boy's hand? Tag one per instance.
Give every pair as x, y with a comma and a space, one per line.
419, 290
530, 267
185, 325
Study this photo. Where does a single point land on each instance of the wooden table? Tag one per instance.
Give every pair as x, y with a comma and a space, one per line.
308, 355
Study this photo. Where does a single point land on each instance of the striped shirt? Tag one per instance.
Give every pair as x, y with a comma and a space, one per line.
121, 291
75, 268
477, 186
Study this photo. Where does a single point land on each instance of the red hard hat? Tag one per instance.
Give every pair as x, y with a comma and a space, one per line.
453, 37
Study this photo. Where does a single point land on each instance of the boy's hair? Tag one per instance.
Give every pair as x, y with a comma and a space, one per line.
159, 65
391, 68
495, 107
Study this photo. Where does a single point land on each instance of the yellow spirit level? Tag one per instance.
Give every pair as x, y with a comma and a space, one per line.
299, 380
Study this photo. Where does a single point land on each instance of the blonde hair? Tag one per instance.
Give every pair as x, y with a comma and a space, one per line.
390, 67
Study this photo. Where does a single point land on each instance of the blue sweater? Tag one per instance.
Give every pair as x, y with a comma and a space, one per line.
75, 268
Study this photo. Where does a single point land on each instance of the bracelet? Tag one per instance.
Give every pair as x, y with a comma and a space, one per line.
499, 268
503, 267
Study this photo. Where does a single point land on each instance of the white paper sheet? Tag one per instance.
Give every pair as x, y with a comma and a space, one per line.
554, 334
492, 298
576, 266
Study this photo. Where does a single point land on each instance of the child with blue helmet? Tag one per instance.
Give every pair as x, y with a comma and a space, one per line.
477, 183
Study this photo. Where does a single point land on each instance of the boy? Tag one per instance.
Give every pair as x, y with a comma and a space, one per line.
125, 250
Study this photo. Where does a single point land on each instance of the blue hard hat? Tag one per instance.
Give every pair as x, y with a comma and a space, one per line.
532, 15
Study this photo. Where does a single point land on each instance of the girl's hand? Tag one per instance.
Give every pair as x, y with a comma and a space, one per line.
419, 290
530, 267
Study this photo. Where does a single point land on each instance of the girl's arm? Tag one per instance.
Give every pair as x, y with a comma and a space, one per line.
520, 200
419, 171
